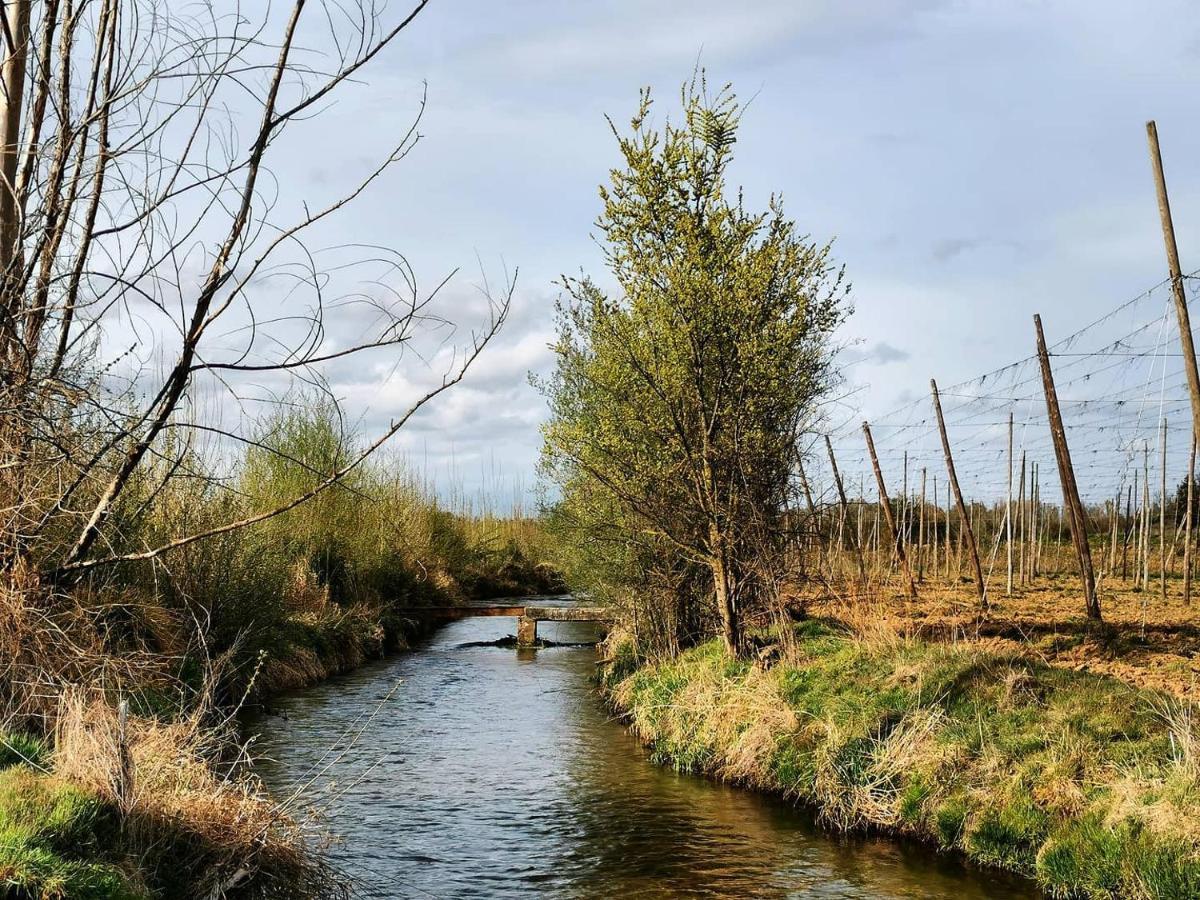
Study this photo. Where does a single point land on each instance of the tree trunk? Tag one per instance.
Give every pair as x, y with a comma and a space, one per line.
727, 606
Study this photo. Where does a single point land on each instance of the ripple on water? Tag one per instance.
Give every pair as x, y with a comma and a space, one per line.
489, 773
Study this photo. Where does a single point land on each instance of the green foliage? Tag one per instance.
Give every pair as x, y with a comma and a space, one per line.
18, 748
949, 818
676, 404
319, 579
55, 841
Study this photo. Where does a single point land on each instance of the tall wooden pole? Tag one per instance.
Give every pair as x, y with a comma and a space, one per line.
1181, 308
841, 490
1132, 513
1162, 519
921, 531
968, 533
947, 533
1145, 515
1022, 518
1187, 542
861, 496
1035, 513
1066, 473
1008, 510
933, 536
812, 515
1035, 496
1114, 517
1126, 532
886, 505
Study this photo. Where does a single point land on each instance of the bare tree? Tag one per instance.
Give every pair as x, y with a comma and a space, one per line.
139, 225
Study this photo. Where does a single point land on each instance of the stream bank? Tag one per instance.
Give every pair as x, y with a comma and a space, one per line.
1087, 785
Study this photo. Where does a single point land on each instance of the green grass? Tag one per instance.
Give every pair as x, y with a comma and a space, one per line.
17, 748
1084, 783
56, 841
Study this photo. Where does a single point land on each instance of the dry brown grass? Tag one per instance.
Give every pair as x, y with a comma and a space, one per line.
51, 641
1143, 641
186, 799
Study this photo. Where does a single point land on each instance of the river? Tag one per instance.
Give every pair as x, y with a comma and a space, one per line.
467, 770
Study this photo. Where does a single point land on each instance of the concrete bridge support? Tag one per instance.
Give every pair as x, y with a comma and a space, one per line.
526, 631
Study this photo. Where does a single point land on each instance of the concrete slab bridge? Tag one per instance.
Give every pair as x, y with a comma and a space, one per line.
528, 611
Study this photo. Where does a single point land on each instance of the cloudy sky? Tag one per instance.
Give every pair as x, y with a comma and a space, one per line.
975, 162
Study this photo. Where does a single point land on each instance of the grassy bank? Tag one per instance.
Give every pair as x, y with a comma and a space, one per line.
1086, 784
166, 805
97, 819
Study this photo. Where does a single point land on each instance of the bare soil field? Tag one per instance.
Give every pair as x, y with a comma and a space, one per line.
1143, 640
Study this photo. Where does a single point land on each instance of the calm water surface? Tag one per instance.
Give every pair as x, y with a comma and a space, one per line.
488, 773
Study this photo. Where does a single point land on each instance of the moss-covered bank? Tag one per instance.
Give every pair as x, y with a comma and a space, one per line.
1081, 782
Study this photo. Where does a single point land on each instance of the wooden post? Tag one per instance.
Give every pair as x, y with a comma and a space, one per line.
1031, 528
948, 545
1162, 519
1008, 510
933, 536
1035, 500
1127, 530
1022, 517
812, 515
837, 480
886, 505
1176, 272
1187, 542
921, 531
1033, 518
967, 531
1114, 515
1057, 568
1145, 515
904, 511
861, 496
1066, 473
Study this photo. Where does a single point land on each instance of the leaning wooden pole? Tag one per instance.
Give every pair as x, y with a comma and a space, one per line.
845, 505
1066, 472
1181, 309
964, 522
886, 505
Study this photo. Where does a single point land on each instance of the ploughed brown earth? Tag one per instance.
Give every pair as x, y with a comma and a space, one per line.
1143, 640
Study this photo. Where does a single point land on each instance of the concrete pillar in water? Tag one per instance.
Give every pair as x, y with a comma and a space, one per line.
526, 631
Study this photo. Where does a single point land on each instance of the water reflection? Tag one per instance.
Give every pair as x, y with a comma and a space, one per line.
495, 774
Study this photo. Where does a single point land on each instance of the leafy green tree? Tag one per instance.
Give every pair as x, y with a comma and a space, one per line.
678, 398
